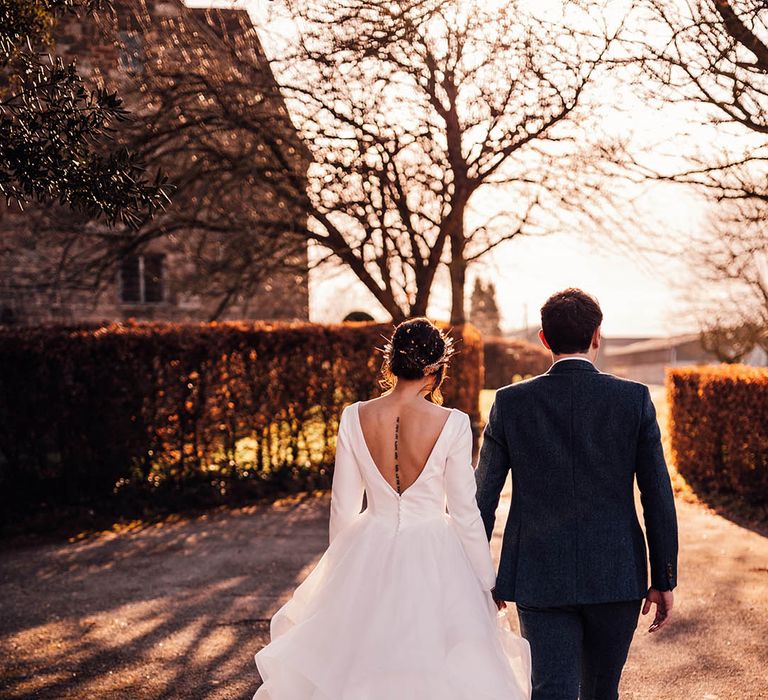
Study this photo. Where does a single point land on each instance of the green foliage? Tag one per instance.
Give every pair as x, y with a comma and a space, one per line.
23, 23
56, 132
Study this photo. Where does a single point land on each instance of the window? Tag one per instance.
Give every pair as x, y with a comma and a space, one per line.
153, 278
141, 279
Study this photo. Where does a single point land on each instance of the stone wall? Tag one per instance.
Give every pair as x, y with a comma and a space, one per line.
40, 246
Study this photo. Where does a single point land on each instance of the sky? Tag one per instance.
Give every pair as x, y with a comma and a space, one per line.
641, 295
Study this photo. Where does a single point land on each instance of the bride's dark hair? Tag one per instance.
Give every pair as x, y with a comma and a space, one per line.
416, 350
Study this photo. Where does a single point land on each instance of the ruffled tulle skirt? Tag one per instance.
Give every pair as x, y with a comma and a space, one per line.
393, 616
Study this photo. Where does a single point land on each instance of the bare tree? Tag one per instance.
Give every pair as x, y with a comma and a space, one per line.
731, 343
418, 112
713, 54
731, 258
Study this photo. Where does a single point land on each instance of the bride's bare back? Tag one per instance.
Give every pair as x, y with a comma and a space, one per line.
420, 425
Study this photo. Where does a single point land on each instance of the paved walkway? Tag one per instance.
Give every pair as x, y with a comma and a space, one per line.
178, 610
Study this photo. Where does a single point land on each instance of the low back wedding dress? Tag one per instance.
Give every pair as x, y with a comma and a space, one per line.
399, 606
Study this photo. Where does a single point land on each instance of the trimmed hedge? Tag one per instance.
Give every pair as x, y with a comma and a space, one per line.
719, 428
508, 359
86, 413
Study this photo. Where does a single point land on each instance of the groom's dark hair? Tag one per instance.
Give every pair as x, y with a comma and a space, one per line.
569, 319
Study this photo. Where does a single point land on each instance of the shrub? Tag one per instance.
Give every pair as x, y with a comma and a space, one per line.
508, 359
719, 428
85, 413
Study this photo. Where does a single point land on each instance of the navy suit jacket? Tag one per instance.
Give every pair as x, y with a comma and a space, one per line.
575, 440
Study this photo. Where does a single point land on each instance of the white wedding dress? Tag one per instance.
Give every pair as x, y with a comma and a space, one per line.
399, 606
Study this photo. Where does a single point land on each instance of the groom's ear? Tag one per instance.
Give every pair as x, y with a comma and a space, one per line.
597, 339
543, 340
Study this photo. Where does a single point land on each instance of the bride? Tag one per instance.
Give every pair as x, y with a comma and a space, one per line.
399, 607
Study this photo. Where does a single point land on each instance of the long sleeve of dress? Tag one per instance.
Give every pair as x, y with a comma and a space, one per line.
462, 507
347, 486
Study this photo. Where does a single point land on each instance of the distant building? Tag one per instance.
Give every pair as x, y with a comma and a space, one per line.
161, 281
620, 341
646, 360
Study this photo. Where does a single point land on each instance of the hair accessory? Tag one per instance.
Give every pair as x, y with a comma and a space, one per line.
448, 351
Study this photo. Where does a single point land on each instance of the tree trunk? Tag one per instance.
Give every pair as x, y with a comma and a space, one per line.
398, 316
420, 307
458, 271
457, 267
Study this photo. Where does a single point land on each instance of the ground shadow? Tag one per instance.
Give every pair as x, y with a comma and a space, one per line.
175, 610
752, 517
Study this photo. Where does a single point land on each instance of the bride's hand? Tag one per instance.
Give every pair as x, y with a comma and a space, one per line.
664, 601
500, 604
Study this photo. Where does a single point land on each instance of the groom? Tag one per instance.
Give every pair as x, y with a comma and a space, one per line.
573, 557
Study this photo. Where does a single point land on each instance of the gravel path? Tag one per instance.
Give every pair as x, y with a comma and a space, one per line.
177, 610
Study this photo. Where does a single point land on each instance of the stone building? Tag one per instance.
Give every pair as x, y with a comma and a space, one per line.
208, 113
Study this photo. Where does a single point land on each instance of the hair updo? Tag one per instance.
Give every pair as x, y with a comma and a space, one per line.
416, 350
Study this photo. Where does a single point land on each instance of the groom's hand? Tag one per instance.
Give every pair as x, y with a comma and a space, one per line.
664, 601
500, 604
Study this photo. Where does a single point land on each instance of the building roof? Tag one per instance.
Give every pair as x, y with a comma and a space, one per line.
233, 26
236, 30
622, 340
652, 344
225, 20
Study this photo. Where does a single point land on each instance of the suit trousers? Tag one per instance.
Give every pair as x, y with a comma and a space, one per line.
578, 651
